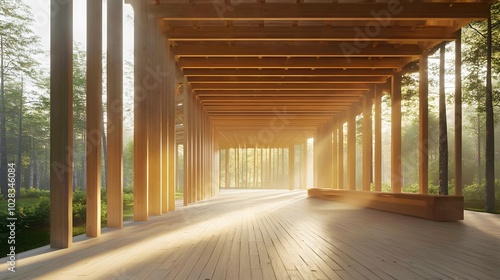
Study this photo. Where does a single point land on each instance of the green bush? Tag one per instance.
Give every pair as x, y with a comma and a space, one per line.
34, 193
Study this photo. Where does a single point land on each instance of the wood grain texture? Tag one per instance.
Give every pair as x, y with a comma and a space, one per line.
276, 235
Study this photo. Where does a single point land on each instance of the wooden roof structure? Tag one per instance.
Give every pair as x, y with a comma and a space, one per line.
315, 60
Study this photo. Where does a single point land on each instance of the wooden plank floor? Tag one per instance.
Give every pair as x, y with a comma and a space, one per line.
276, 235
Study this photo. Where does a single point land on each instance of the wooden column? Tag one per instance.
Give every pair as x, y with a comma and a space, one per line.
458, 114
94, 116
164, 56
154, 126
140, 114
172, 145
328, 155
187, 144
351, 150
423, 124
255, 167
367, 142
377, 172
304, 166
316, 160
335, 152
61, 125
340, 172
115, 114
291, 167
396, 175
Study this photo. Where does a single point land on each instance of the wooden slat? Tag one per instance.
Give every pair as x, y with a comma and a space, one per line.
314, 11
279, 86
285, 49
288, 72
296, 62
332, 80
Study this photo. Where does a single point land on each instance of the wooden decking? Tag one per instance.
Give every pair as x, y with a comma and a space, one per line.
277, 235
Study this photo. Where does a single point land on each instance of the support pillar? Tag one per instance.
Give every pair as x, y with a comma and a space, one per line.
140, 114
115, 114
94, 116
396, 175
340, 172
303, 166
423, 135
351, 150
367, 143
61, 125
291, 167
377, 173
335, 152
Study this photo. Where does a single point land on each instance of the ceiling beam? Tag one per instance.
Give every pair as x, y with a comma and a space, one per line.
281, 93
281, 49
280, 86
290, 63
287, 73
333, 80
353, 34
383, 12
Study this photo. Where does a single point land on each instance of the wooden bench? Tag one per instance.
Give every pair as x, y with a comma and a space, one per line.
440, 208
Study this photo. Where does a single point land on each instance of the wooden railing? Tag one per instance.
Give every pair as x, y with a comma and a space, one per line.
432, 207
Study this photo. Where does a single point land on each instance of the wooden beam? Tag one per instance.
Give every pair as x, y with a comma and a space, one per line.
94, 117
423, 124
115, 114
335, 152
61, 125
350, 36
281, 93
270, 80
279, 86
385, 13
291, 63
284, 49
396, 171
288, 72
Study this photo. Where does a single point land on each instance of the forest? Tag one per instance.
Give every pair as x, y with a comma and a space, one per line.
24, 108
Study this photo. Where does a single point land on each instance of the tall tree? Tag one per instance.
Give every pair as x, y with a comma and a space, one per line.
18, 49
443, 134
19, 141
490, 130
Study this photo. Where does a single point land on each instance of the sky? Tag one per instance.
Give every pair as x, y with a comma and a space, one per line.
41, 13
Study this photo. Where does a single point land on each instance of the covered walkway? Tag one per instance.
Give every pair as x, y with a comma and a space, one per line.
271, 234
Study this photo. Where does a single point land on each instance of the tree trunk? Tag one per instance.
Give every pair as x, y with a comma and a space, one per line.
19, 143
490, 131
443, 136
479, 172
3, 133
84, 160
105, 156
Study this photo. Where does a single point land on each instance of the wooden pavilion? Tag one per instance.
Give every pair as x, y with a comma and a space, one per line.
249, 73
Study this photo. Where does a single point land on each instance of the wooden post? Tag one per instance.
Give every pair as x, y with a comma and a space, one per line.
340, 156
377, 174
187, 145
351, 150
458, 114
94, 116
115, 114
367, 142
163, 53
172, 145
154, 127
61, 125
291, 167
304, 166
140, 114
316, 160
335, 152
396, 175
423, 135
328, 155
